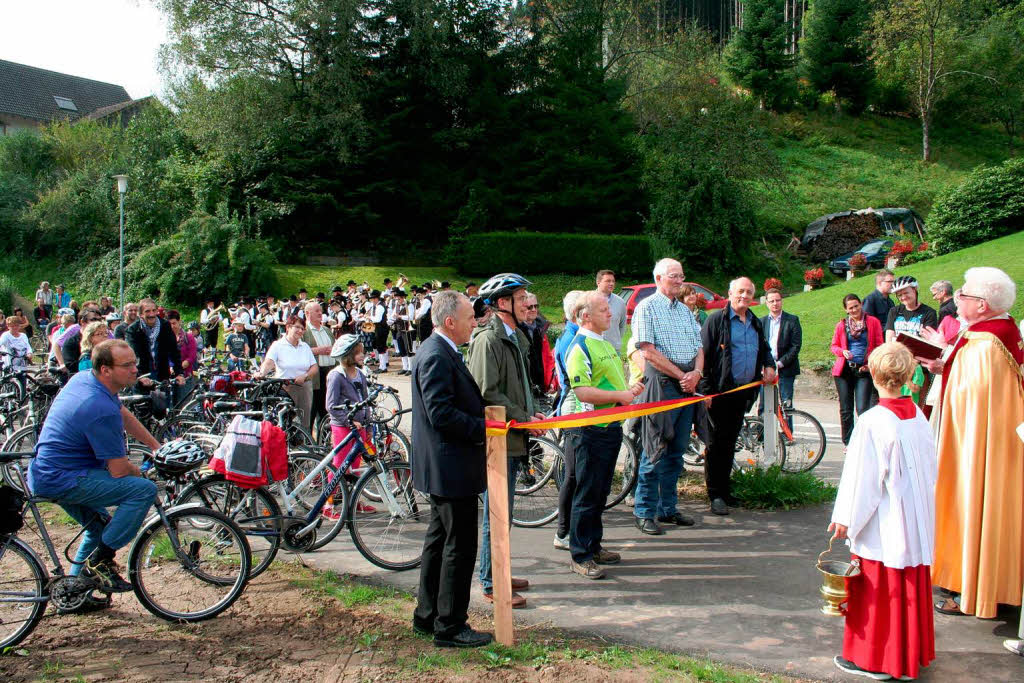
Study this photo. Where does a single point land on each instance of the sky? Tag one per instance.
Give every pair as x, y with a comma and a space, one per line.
115, 41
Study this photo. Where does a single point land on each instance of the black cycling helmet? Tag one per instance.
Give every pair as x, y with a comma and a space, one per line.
903, 282
177, 457
500, 286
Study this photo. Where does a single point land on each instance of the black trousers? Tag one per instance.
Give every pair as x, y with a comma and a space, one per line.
597, 449
211, 337
726, 413
567, 489
446, 572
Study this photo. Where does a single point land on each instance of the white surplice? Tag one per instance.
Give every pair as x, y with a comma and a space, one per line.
887, 492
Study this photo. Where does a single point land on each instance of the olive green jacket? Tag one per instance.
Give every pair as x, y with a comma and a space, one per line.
494, 362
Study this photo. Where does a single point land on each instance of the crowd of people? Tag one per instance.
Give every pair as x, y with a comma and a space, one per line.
931, 491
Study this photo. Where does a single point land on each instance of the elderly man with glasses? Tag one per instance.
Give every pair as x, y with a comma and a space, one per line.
979, 524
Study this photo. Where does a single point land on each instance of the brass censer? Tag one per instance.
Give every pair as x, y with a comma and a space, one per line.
833, 589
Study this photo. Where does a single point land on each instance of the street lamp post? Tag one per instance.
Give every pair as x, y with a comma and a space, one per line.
122, 188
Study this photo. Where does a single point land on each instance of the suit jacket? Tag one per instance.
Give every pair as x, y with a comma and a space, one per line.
791, 338
167, 353
449, 456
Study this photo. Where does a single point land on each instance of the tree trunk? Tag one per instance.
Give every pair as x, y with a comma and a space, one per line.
926, 141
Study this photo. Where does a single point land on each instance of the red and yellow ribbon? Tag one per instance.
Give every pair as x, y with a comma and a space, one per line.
604, 415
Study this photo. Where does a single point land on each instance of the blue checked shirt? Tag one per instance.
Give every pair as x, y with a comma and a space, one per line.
669, 325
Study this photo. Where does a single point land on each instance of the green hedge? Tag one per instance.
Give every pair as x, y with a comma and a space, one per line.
488, 253
988, 204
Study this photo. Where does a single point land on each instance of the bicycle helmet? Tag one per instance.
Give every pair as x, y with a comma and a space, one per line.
501, 285
113, 318
177, 457
344, 344
903, 282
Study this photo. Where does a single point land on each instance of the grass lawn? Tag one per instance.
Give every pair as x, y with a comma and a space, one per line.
821, 309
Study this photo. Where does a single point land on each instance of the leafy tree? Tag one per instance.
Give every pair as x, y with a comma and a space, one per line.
988, 204
756, 57
834, 51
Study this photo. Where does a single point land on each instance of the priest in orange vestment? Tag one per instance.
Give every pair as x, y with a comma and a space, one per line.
979, 492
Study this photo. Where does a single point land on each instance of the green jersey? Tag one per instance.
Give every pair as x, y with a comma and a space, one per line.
592, 362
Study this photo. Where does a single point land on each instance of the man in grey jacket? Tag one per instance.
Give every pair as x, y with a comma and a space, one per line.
497, 362
606, 285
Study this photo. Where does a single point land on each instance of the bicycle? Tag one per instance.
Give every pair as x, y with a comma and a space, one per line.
384, 482
800, 442
187, 564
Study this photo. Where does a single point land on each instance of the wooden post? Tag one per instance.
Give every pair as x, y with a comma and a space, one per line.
501, 560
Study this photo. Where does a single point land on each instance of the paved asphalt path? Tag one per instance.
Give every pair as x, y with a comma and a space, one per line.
741, 589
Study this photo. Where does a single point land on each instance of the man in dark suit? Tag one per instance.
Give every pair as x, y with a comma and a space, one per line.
784, 335
735, 353
449, 463
155, 346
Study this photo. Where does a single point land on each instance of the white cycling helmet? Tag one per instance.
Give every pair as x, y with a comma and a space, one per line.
344, 344
177, 457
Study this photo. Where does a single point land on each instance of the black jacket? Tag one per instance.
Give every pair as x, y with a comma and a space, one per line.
790, 341
449, 455
717, 337
167, 353
71, 350
535, 362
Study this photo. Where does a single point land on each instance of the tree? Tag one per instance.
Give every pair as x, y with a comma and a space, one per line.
756, 57
996, 50
920, 42
834, 51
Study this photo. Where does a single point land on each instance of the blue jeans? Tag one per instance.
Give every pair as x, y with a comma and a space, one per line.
656, 494
485, 539
87, 504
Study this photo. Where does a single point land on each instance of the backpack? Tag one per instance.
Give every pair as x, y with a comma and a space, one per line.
252, 453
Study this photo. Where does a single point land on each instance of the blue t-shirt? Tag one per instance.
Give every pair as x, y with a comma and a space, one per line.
82, 431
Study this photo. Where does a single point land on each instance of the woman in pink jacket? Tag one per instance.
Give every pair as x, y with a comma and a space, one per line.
855, 338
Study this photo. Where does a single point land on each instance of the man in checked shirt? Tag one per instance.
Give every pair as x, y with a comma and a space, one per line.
668, 336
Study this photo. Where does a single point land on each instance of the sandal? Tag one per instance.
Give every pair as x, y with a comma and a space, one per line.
943, 607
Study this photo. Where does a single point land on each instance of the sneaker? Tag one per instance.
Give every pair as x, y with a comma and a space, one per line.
105, 573
330, 513
561, 542
851, 668
363, 507
1015, 646
630, 501
603, 556
719, 507
588, 569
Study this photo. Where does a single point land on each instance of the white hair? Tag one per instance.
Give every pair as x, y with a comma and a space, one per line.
569, 304
586, 302
530, 296
734, 283
998, 289
309, 307
445, 305
661, 267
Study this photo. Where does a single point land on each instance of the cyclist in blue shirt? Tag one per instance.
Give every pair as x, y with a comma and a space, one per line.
81, 462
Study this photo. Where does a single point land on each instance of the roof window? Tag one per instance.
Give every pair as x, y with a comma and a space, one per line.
65, 103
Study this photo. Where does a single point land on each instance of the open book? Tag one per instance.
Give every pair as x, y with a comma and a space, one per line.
918, 346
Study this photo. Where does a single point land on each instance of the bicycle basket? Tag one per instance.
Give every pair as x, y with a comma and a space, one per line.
12, 502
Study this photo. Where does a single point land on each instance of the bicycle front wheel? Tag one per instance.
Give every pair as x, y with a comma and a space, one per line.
536, 497
23, 592
389, 533
388, 408
805, 441
191, 568
750, 451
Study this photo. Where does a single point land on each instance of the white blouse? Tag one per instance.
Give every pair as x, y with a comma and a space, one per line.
290, 361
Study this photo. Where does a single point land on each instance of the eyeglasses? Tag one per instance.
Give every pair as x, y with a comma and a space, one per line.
959, 294
532, 307
130, 364
675, 276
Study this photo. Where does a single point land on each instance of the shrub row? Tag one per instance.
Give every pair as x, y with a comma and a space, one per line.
988, 204
488, 253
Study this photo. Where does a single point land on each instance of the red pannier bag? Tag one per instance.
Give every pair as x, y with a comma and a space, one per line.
252, 453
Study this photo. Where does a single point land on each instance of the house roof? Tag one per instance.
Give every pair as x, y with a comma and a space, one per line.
30, 92
104, 112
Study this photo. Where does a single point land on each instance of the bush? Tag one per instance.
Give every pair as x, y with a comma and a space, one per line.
208, 256
988, 204
7, 291
771, 489
485, 254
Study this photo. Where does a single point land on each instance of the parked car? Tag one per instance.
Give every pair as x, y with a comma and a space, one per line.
874, 251
634, 294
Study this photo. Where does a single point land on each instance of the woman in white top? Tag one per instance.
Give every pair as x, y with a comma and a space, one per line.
15, 342
291, 358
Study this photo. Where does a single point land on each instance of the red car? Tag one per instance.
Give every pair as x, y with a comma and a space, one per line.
634, 294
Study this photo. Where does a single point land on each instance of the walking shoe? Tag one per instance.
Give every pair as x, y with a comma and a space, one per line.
422, 629
561, 542
363, 507
103, 570
330, 513
648, 526
603, 556
588, 569
719, 507
630, 501
1014, 646
851, 668
467, 637
520, 584
518, 601
677, 518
